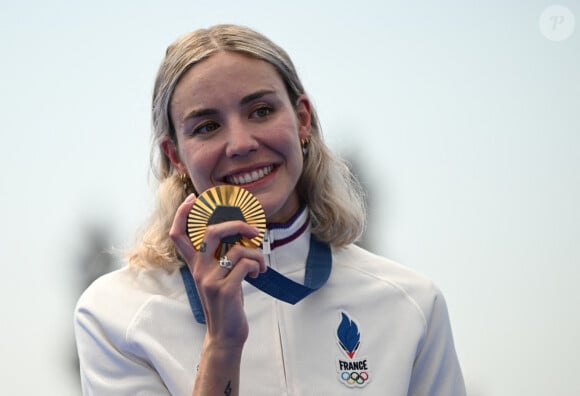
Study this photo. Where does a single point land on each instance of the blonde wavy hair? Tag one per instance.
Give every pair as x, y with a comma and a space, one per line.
327, 186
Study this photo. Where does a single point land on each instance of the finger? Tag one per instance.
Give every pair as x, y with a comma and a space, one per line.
245, 261
177, 233
254, 270
225, 264
202, 263
229, 228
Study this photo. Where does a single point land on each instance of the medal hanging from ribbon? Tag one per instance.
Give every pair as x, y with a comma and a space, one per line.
226, 203
229, 203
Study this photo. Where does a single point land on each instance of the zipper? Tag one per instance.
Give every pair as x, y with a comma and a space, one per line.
267, 252
281, 346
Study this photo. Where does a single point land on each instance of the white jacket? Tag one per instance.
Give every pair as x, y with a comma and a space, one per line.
136, 334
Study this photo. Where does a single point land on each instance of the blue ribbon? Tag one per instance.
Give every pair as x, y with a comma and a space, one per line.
318, 267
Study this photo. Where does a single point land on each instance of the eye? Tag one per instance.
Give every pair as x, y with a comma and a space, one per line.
205, 128
262, 111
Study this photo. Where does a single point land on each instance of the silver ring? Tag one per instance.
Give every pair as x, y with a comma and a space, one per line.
226, 263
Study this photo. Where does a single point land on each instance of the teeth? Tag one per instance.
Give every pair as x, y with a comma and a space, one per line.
250, 176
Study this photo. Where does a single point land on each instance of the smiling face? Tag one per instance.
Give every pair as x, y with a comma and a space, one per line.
235, 124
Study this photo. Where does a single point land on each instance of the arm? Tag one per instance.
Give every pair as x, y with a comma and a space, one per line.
220, 292
219, 372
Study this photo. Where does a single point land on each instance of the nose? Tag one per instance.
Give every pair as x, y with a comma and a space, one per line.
240, 140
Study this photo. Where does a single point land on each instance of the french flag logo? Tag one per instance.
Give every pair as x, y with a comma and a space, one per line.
348, 336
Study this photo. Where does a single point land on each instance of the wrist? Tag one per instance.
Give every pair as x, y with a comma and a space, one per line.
222, 349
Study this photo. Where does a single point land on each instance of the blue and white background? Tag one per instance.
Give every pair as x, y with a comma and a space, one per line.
462, 117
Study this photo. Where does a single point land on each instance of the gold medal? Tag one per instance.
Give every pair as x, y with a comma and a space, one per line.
226, 203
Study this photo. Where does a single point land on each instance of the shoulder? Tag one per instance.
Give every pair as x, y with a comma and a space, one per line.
132, 284
115, 299
381, 272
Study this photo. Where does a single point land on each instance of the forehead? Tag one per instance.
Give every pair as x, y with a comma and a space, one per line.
227, 73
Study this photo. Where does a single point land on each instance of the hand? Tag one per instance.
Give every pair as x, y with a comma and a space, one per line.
219, 289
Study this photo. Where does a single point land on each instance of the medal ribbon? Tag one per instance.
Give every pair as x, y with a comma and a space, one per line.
318, 267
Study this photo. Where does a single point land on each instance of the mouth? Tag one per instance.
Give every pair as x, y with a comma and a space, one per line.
249, 177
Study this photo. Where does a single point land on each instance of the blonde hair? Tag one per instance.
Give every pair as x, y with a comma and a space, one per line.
327, 186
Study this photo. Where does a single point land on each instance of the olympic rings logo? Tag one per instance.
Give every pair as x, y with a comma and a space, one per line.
354, 377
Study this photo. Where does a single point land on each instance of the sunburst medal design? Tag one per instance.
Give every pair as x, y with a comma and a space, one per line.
226, 203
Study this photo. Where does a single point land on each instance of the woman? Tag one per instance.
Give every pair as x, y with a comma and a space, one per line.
309, 313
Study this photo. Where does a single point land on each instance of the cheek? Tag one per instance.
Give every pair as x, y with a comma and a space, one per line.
289, 139
199, 163
293, 148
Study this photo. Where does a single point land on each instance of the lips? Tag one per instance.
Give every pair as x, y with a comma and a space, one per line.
249, 177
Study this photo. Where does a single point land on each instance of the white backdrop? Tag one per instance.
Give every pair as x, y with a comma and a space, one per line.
463, 118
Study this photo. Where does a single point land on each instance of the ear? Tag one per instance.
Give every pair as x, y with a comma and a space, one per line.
304, 114
170, 149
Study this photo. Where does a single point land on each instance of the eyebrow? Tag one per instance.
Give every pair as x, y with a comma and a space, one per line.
245, 100
256, 95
